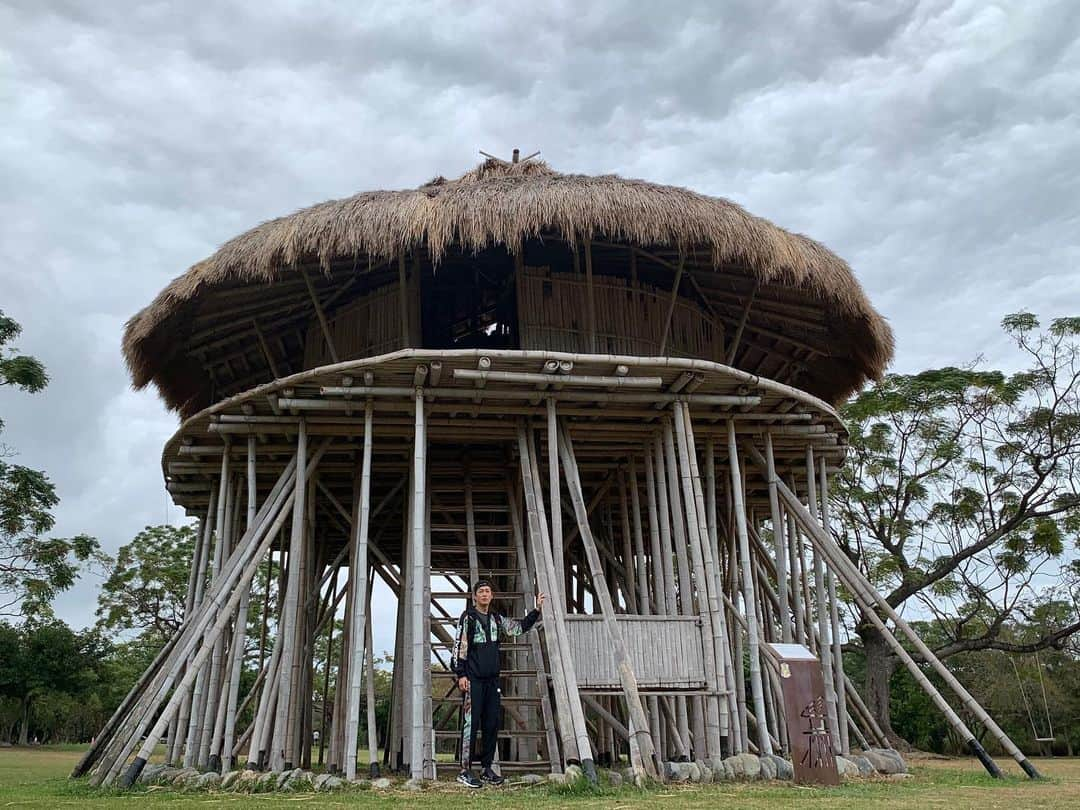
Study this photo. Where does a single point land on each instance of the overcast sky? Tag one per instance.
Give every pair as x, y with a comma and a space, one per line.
934, 145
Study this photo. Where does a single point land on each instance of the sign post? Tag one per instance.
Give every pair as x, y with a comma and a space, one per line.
807, 718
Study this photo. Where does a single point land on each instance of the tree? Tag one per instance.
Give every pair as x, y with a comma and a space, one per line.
42, 657
33, 568
147, 586
960, 495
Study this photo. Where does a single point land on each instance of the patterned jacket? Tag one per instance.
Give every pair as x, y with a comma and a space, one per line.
476, 650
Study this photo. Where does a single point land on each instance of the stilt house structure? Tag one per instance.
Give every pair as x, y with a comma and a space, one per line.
618, 393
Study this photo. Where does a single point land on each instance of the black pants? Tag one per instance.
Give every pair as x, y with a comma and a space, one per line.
481, 712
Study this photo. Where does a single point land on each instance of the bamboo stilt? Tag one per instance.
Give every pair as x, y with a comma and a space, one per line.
756, 690
560, 649
648, 764
290, 664
780, 551
236, 664
420, 610
707, 605
358, 599
834, 621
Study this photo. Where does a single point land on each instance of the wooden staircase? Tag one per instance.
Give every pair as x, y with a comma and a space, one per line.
472, 537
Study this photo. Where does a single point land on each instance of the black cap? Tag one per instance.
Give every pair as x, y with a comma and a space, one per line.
481, 583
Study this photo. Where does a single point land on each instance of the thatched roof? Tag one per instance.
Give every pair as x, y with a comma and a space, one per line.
500, 203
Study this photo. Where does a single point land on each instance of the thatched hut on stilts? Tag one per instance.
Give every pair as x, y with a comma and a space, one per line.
615, 392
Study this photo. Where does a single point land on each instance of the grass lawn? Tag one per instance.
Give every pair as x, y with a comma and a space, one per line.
37, 778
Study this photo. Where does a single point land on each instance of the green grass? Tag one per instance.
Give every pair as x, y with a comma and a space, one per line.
37, 778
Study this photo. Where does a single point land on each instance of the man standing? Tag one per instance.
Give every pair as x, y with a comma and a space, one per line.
475, 661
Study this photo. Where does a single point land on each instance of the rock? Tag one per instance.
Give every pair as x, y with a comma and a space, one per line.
677, 771
847, 768
229, 779
331, 783
382, 783
768, 768
719, 771
706, 770
886, 760
744, 766
208, 780
694, 771
574, 774
628, 774
268, 779
246, 779
359, 784
166, 775
556, 778
531, 779
863, 764
414, 785
784, 768
898, 777
183, 775
150, 773
614, 778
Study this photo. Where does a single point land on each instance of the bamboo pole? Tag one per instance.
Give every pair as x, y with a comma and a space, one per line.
729, 725
640, 724
197, 722
780, 557
527, 586
756, 691
194, 633
796, 573
590, 299
667, 555
630, 596
834, 621
236, 663
821, 609
559, 650
372, 731
671, 305
358, 608
707, 604
419, 576
221, 606
321, 316
710, 569
555, 496
470, 526
290, 664
686, 607
213, 723
403, 300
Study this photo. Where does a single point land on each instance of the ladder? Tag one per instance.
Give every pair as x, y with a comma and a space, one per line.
472, 537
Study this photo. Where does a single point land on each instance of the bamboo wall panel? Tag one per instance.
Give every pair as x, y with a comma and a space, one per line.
666, 652
552, 314
368, 326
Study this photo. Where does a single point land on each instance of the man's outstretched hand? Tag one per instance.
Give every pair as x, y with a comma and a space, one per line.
540, 597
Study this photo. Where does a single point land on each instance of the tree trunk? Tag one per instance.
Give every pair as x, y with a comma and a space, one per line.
24, 729
880, 666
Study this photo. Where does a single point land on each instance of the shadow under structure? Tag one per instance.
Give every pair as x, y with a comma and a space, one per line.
618, 393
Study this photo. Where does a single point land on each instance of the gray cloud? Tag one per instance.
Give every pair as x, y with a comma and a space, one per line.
934, 145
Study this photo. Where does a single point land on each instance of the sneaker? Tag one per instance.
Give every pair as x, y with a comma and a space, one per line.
491, 777
468, 780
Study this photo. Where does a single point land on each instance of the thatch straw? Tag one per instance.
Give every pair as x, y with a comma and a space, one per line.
500, 203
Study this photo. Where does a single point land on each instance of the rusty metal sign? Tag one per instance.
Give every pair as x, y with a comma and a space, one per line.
803, 687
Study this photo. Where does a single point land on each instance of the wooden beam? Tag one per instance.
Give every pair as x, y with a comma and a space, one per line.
671, 305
